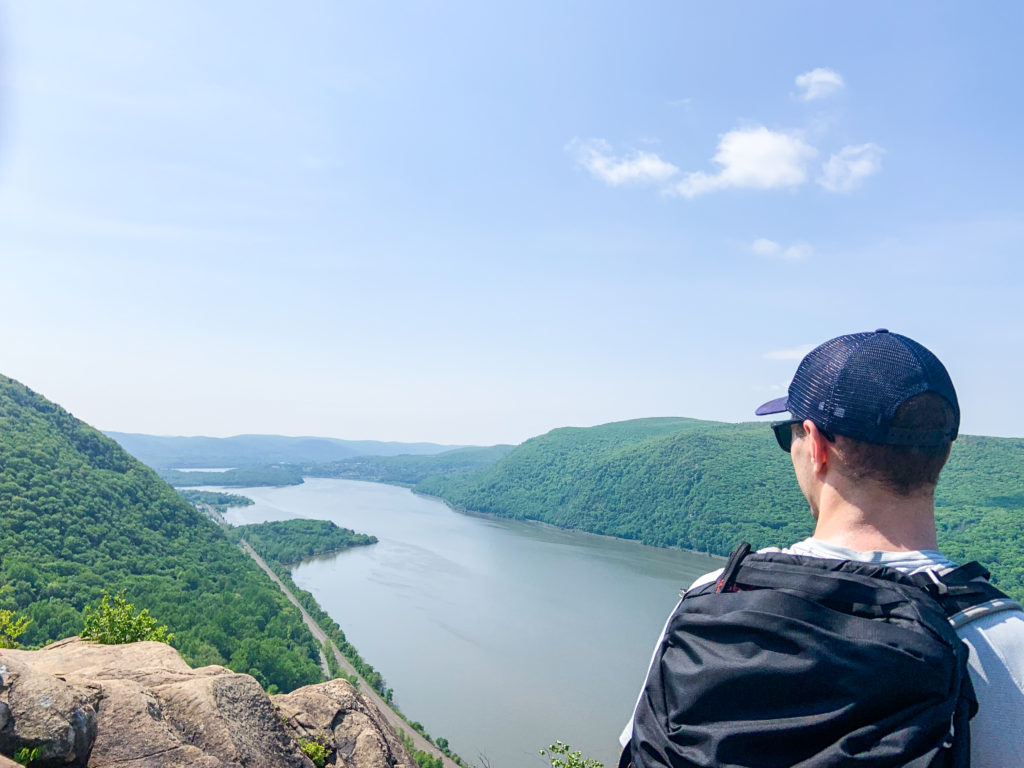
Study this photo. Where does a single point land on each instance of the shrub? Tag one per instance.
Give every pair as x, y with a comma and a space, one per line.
562, 756
118, 622
316, 751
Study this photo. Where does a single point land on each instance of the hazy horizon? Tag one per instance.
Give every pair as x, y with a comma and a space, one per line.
456, 445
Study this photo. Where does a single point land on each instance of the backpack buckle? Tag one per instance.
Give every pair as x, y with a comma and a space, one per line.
937, 586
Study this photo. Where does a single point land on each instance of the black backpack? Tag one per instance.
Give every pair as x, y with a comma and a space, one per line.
799, 661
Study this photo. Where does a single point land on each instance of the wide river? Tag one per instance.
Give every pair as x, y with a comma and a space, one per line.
499, 635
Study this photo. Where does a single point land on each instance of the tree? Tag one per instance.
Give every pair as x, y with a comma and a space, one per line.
116, 623
11, 628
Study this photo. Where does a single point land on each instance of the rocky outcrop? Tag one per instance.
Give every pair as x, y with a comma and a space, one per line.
351, 726
44, 713
141, 706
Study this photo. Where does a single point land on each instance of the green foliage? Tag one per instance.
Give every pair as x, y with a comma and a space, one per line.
25, 756
316, 751
78, 515
334, 667
289, 541
667, 482
218, 501
409, 470
12, 627
706, 486
243, 477
118, 622
426, 760
562, 756
422, 758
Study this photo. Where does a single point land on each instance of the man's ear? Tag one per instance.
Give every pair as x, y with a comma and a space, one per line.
817, 445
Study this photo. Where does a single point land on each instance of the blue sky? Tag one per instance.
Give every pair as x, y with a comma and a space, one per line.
474, 222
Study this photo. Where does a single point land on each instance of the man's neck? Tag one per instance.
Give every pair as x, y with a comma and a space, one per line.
869, 518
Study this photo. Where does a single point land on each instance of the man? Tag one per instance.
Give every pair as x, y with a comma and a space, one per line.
873, 419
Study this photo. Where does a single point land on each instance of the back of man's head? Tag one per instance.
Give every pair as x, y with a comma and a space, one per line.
901, 469
887, 403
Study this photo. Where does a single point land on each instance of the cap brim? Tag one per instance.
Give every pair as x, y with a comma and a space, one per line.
778, 405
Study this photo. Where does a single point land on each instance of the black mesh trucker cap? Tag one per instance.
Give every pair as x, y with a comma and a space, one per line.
852, 386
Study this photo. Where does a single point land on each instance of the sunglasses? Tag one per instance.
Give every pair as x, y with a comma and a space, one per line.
784, 432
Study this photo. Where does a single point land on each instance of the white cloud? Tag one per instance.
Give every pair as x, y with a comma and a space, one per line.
819, 83
752, 158
846, 169
637, 168
795, 252
765, 247
793, 353
798, 252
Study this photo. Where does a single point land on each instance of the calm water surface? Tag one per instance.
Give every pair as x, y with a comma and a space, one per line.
499, 635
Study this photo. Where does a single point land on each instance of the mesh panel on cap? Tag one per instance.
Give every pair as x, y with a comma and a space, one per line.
810, 394
852, 385
877, 380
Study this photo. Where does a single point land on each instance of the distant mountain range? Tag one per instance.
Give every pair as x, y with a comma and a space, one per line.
244, 450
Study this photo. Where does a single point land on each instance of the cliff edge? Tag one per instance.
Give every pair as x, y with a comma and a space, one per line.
140, 705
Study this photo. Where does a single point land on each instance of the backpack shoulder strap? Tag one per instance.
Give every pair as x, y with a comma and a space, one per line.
975, 612
626, 756
728, 578
965, 593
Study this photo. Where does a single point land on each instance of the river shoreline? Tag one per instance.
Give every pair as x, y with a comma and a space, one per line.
396, 718
454, 606
552, 526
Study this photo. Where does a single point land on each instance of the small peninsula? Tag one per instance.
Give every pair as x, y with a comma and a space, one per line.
289, 541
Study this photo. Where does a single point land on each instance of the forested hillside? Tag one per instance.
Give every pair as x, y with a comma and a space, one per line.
979, 506
79, 515
409, 470
398, 470
241, 477
708, 485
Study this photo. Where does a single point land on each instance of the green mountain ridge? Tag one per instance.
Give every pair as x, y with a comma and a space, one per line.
706, 486
409, 470
665, 481
79, 515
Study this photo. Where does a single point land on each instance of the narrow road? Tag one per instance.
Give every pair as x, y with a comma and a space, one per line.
389, 714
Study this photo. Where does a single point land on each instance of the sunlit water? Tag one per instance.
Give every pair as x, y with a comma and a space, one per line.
499, 635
